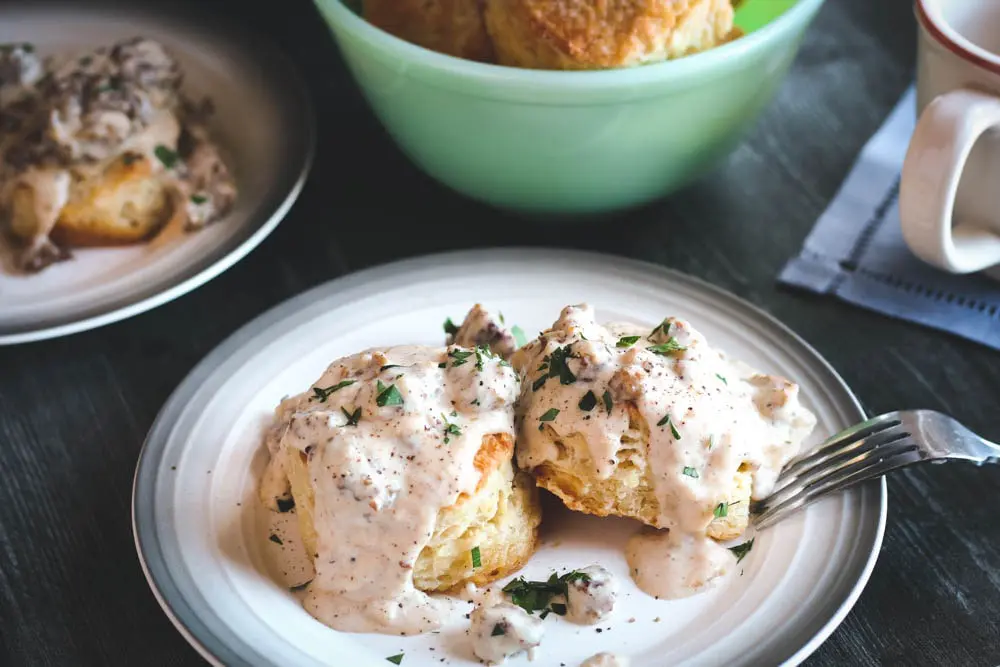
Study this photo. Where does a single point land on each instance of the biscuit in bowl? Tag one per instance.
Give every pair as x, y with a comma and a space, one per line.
399, 461
655, 425
453, 27
585, 35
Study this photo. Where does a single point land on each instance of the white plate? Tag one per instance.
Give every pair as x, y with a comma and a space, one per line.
198, 525
263, 121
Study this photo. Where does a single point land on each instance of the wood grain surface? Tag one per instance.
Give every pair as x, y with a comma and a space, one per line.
74, 411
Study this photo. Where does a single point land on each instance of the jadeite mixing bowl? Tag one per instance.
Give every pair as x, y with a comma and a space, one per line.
571, 142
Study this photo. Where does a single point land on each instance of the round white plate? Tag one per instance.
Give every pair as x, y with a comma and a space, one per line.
199, 529
263, 121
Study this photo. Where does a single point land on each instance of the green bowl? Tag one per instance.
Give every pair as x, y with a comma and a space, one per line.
571, 142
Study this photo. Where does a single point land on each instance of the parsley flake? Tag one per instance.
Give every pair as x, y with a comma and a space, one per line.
724, 380
721, 510
557, 367
321, 393
549, 415
387, 395
741, 550
198, 199
667, 348
498, 630
352, 417
607, 401
450, 429
395, 659
477, 560
459, 356
690, 472
666, 421
166, 156
286, 504
450, 329
628, 341
274, 538
588, 402
533, 596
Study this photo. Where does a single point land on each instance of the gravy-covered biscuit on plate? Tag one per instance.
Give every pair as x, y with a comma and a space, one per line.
658, 426
399, 461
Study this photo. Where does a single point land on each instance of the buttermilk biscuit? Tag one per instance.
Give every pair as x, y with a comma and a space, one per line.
454, 27
601, 34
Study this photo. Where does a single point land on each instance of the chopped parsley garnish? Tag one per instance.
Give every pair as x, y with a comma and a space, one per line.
690, 472
725, 382
663, 326
557, 367
519, 336
352, 417
300, 587
286, 504
607, 401
198, 199
666, 348
321, 393
477, 560
550, 415
450, 429
498, 630
388, 366
588, 402
274, 538
533, 596
628, 341
395, 659
741, 550
666, 421
387, 395
711, 441
449, 327
460, 357
721, 510
166, 156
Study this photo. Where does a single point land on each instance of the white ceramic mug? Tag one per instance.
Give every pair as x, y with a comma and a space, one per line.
949, 200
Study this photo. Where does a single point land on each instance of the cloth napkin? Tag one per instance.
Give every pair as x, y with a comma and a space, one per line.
856, 251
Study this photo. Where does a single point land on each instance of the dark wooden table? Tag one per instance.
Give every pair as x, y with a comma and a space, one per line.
74, 411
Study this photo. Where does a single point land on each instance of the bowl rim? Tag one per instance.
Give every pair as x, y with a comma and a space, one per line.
798, 15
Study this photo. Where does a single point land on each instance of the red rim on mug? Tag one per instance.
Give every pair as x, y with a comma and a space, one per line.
951, 40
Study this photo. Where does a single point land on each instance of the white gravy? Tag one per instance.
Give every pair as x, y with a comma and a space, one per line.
379, 483
706, 417
503, 630
605, 660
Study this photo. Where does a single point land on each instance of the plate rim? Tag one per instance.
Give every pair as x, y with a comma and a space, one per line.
263, 221
160, 430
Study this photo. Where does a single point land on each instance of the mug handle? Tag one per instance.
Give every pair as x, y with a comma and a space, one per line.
944, 137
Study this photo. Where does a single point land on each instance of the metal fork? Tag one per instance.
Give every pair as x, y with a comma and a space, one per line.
868, 450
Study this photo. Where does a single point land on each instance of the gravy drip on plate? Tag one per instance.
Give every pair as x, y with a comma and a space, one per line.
63, 121
707, 417
390, 438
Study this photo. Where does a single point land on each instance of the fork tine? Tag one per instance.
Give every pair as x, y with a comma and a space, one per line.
867, 466
789, 480
840, 441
